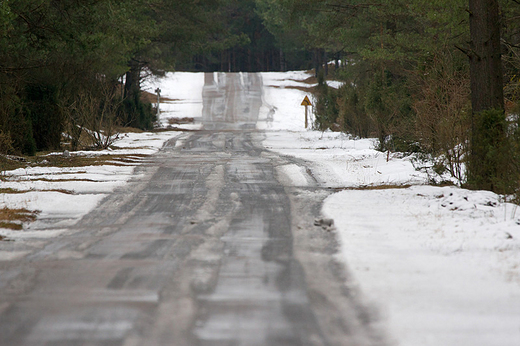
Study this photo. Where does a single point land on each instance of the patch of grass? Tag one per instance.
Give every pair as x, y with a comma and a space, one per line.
43, 159
22, 214
177, 121
373, 187
11, 225
382, 187
61, 180
13, 191
129, 130
149, 97
7, 164
10, 190
82, 161
13, 218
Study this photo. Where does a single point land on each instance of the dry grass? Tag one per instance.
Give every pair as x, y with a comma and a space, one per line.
7, 164
374, 187
58, 161
13, 191
9, 190
11, 225
177, 121
81, 161
129, 130
47, 180
13, 218
382, 187
149, 97
309, 89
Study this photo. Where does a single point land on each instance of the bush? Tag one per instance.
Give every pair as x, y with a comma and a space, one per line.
6, 143
494, 160
326, 107
138, 114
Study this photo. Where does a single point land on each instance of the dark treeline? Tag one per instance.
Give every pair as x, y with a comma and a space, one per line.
257, 49
70, 70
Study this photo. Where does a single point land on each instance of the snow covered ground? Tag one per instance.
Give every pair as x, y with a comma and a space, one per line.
65, 194
440, 264
182, 93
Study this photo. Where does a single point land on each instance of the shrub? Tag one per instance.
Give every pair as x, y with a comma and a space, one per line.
494, 160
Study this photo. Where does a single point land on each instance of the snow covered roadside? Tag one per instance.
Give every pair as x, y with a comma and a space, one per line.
181, 94
65, 194
338, 160
440, 264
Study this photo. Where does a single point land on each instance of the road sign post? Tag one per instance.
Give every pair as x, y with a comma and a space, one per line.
306, 102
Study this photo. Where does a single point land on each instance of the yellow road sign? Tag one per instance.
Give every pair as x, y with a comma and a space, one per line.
306, 102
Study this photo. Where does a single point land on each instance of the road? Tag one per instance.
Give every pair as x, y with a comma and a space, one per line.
211, 246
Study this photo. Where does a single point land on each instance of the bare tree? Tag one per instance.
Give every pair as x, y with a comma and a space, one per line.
104, 123
93, 117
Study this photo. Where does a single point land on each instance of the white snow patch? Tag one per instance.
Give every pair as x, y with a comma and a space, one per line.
438, 262
184, 89
295, 173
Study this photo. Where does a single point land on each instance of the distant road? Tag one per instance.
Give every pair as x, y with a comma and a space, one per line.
209, 248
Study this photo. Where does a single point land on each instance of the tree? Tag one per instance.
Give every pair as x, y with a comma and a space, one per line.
485, 56
489, 127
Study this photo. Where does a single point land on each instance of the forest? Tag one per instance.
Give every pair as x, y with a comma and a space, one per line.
436, 78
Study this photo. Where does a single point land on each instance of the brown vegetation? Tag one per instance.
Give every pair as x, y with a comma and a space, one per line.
14, 218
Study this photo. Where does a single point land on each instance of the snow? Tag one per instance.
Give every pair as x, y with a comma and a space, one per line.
184, 93
441, 265
66, 194
280, 95
437, 260
338, 160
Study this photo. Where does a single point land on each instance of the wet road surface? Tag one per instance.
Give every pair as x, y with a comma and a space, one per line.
209, 248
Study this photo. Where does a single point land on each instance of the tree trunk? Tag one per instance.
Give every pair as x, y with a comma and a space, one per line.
249, 60
326, 62
487, 98
317, 62
485, 57
132, 80
282, 67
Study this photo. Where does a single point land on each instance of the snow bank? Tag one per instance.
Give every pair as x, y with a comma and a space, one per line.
441, 264
338, 160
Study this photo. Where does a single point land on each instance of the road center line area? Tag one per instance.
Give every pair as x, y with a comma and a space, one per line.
208, 248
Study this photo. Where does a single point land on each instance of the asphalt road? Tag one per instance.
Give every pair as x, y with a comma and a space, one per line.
213, 246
